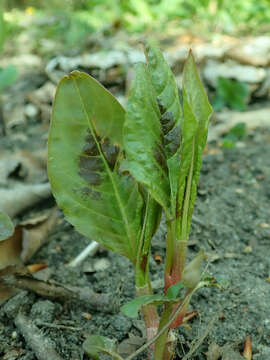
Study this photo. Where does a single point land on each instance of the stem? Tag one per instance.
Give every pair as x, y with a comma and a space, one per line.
175, 258
161, 352
165, 327
170, 243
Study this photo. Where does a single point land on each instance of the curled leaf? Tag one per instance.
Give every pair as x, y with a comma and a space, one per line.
192, 272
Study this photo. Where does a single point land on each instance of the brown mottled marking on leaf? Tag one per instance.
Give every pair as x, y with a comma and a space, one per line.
160, 156
173, 140
167, 122
110, 152
95, 195
93, 179
161, 106
90, 162
90, 148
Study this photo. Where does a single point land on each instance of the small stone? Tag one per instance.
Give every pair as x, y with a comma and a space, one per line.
16, 303
101, 264
87, 316
88, 267
43, 310
30, 110
239, 191
121, 323
264, 225
247, 250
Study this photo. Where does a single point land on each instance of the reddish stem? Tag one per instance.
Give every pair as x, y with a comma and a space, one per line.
175, 276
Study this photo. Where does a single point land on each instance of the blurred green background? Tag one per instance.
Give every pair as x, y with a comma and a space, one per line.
75, 19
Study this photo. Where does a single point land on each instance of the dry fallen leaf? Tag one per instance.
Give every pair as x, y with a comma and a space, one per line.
15, 200
10, 249
36, 267
35, 233
247, 354
27, 239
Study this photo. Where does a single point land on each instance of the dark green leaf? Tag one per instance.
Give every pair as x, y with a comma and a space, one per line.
173, 290
171, 114
132, 308
8, 76
94, 345
84, 150
6, 226
143, 138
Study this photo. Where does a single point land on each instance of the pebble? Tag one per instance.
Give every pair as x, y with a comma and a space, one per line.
31, 110
43, 310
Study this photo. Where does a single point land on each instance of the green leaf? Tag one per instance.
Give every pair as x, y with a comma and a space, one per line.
94, 345
171, 118
173, 290
143, 138
197, 112
6, 226
8, 76
237, 133
84, 151
232, 93
132, 308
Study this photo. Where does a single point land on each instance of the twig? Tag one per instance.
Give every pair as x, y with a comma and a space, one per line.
199, 342
40, 345
99, 302
55, 326
90, 250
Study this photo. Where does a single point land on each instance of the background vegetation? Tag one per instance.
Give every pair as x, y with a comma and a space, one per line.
76, 18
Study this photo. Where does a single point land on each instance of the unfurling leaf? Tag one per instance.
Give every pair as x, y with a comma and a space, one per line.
167, 96
192, 272
85, 146
143, 138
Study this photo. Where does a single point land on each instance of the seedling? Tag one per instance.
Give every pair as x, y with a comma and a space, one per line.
113, 171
